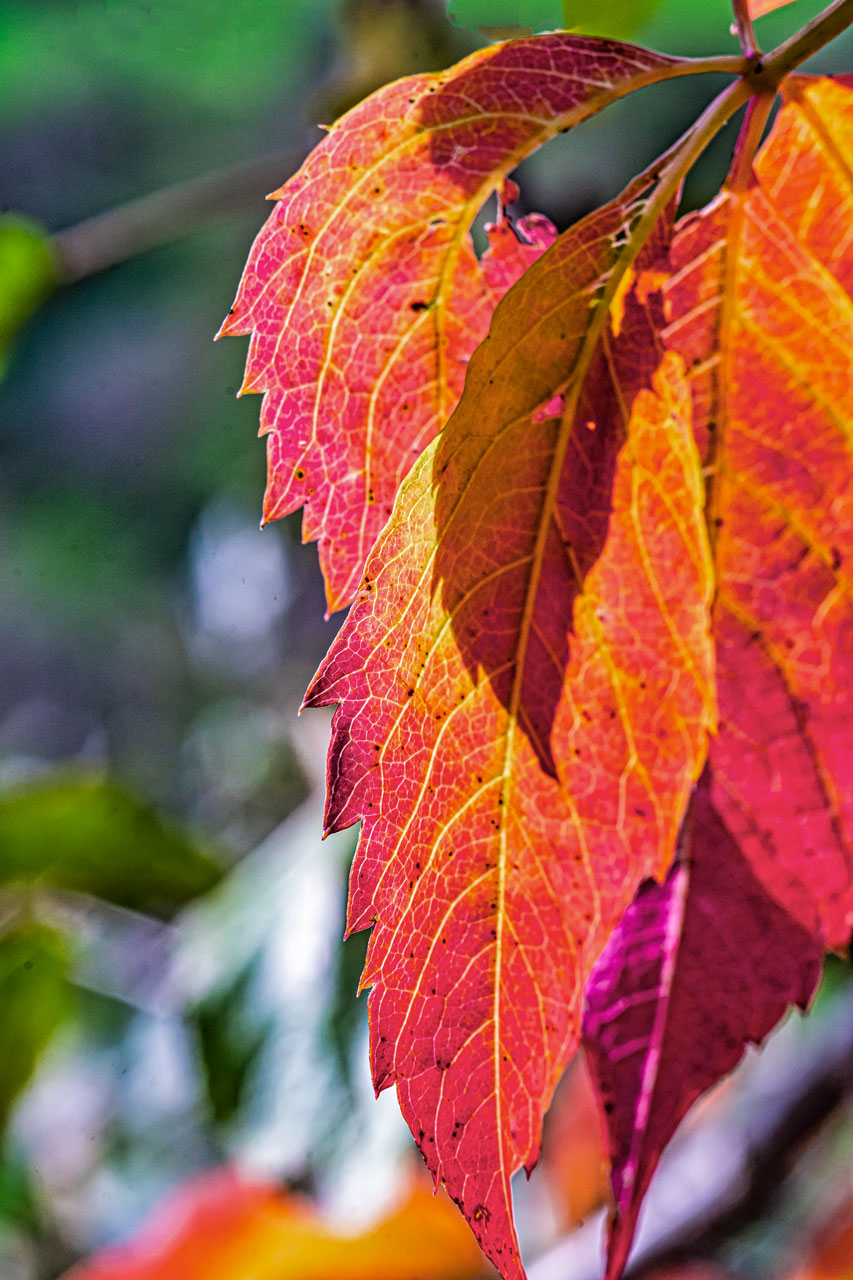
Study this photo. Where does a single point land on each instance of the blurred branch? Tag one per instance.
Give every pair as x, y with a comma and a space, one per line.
379, 41
170, 214
725, 1174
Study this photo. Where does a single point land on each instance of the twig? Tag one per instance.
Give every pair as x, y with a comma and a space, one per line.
170, 214
744, 29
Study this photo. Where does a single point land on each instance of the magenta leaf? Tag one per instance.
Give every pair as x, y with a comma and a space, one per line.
700, 967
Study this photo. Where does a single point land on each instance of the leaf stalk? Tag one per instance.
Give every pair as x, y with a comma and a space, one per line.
771, 69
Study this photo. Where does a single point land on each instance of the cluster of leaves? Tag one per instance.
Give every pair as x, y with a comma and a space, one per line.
590, 498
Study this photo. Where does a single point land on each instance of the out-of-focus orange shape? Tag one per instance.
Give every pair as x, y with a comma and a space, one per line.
832, 1258
221, 1226
573, 1156
758, 8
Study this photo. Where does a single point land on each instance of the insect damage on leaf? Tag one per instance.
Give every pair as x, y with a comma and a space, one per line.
363, 294
525, 690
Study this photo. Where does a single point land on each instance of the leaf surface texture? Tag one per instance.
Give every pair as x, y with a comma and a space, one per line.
760, 309
525, 688
362, 292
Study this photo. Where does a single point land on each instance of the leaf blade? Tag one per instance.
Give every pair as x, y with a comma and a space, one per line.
388, 196
490, 633
778, 398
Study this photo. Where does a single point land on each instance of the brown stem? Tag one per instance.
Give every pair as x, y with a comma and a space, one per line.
168, 215
772, 68
180, 210
744, 28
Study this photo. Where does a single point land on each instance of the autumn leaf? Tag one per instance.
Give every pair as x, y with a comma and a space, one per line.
698, 968
758, 8
363, 294
760, 310
525, 689
235, 1228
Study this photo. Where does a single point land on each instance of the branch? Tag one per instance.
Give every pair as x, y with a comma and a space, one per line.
791, 53
168, 215
744, 29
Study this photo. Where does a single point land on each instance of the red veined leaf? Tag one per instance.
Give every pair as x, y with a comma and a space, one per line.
232, 1228
524, 681
766, 329
362, 292
698, 968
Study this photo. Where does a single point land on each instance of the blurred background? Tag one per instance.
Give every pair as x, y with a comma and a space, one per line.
175, 996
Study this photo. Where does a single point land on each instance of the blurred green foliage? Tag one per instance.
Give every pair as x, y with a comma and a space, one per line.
617, 19
230, 1043
34, 1000
92, 837
28, 273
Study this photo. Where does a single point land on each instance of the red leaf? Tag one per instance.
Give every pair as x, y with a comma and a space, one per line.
362, 292
699, 967
766, 330
524, 686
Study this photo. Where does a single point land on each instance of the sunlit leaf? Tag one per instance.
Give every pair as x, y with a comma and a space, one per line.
524, 682
363, 294
760, 310
707, 963
231, 1228
90, 836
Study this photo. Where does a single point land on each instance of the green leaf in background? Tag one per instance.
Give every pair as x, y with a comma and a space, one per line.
34, 999
229, 1044
616, 18
90, 836
506, 17
28, 274
619, 19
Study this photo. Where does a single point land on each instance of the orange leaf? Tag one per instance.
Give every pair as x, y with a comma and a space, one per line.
363, 294
524, 685
760, 311
573, 1157
831, 1252
223, 1226
757, 8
